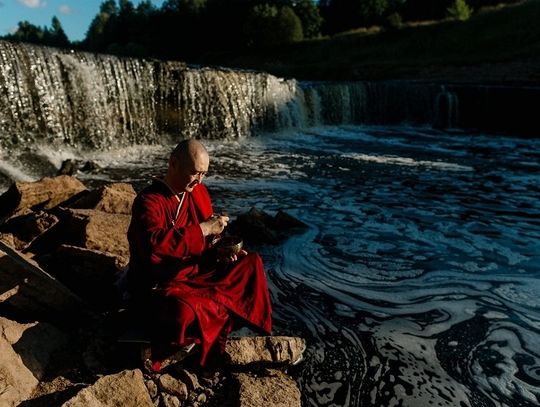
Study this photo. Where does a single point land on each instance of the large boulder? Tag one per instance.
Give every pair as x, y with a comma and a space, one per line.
46, 193
126, 389
274, 390
264, 349
96, 230
110, 198
91, 274
25, 352
258, 227
29, 293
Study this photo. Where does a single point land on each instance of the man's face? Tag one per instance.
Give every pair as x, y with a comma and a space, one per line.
188, 174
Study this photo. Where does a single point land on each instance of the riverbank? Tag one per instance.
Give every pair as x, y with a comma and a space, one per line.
495, 45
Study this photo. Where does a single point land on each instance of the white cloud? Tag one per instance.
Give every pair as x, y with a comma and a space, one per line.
33, 3
65, 9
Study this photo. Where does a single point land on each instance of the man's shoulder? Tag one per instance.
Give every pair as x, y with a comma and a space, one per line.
155, 190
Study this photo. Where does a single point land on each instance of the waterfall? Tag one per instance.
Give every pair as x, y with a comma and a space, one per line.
63, 98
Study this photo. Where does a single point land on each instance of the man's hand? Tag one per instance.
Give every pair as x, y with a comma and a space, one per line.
214, 225
233, 257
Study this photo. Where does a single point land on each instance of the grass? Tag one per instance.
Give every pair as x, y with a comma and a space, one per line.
491, 39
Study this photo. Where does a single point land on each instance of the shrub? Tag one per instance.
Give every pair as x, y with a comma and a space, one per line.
459, 10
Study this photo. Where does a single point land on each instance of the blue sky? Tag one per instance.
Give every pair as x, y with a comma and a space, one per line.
75, 15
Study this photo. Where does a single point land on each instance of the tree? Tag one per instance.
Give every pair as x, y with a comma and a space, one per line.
269, 25
459, 10
309, 15
56, 35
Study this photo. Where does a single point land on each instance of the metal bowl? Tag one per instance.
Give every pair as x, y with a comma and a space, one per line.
228, 245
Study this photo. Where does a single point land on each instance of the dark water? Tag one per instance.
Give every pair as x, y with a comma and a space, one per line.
417, 283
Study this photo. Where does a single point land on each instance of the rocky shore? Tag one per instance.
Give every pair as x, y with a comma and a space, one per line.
63, 249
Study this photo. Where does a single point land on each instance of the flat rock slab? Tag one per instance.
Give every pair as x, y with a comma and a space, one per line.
46, 193
25, 352
276, 390
27, 227
265, 349
126, 389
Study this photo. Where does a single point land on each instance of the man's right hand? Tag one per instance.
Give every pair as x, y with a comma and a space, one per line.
214, 225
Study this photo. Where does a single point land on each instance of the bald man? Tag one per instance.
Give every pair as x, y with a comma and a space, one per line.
186, 295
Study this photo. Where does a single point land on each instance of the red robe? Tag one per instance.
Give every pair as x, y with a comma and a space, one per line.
188, 295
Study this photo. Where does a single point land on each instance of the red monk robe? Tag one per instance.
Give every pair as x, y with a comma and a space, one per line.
187, 295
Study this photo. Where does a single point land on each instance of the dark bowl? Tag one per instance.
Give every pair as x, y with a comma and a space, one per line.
228, 245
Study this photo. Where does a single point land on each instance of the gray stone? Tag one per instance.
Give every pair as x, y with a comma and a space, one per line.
278, 390
33, 294
25, 352
265, 349
46, 193
126, 389
170, 385
111, 198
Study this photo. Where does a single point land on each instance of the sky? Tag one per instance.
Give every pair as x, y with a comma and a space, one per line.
74, 15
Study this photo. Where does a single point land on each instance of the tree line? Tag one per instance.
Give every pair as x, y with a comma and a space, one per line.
193, 28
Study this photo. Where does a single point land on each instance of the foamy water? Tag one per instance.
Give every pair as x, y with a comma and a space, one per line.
417, 282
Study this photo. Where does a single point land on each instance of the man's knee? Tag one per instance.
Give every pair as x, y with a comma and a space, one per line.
184, 313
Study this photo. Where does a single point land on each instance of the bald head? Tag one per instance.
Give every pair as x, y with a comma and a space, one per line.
188, 165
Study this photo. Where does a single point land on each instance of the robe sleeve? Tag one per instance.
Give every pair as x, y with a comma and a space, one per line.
158, 238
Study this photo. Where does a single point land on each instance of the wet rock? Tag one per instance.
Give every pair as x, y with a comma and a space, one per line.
111, 198
264, 349
26, 228
255, 227
28, 293
86, 272
278, 390
90, 166
258, 227
25, 352
68, 167
126, 389
172, 386
96, 230
46, 193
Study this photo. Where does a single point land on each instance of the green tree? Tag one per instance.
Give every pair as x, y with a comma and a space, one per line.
56, 35
459, 10
27, 32
269, 25
309, 15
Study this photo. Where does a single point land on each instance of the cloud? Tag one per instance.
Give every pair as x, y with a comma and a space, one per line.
33, 3
65, 10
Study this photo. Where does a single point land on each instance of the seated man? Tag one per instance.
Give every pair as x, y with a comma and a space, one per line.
185, 293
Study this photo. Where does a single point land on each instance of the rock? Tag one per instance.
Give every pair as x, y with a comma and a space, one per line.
255, 227
170, 385
152, 388
90, 166
68, 167
188, 378
258, 227
170, 400
283, 221
25, 352
86, 272
26, 228
29, 293
278, 390
265, 349
126, 389
46, 193
96, 230
111, 198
